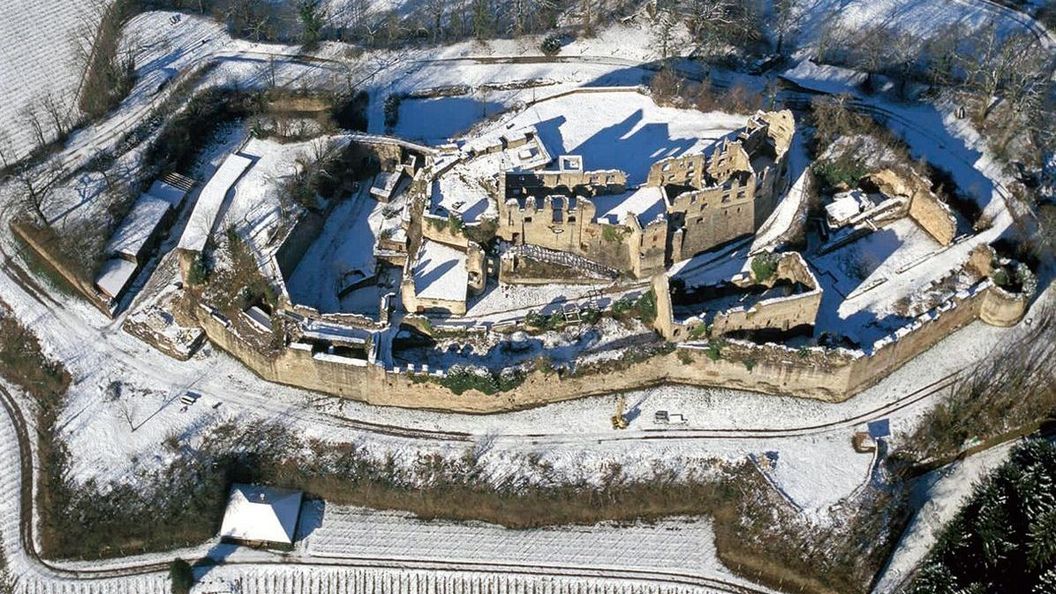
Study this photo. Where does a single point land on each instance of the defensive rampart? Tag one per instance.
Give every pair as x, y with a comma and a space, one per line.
831, 375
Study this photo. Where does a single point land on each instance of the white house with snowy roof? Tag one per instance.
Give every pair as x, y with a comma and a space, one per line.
261, 516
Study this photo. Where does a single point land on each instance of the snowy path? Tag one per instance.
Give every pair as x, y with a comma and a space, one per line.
938, 497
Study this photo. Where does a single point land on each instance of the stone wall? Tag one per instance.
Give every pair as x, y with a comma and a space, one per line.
826, 374
934, 216
437, 229
775, 314
86, 289
778, 374
702, 219
297, 242
892, 352
558, 226
1001, 308
925, 207
778, 313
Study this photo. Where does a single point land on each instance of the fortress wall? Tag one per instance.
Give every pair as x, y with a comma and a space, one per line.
613, 179
729, 159
826, 374
779, 373
933, 216
652, 251
780, 314
769, 188
616, 248
577, 233
41, 250
1001, 308
441, 233
709, 221
894, 351
684, 171
415, 304
297, 242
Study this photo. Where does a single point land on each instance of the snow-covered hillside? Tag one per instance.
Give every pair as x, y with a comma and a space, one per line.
36, 59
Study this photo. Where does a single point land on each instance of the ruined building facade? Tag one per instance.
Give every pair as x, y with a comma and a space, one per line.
688, 204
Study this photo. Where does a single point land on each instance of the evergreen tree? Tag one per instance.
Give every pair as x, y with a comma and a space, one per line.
1004, 538
181, 575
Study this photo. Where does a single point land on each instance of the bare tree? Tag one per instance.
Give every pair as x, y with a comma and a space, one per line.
829, 34
586, 16
357, 13
82, 38
270, 77
31, 119
37, 192
312, 15
519, 16
785, 12
664, 27
1002, 67
437, 11
249, 18
7, 153
57, 110
940, 54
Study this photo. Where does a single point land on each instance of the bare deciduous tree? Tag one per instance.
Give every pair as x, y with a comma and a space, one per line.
437, 11
1002, 67
664, 28
38, 191
785, 14
7, 152
31, 118
57, 110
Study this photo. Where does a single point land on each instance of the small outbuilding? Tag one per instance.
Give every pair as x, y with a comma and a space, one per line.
261, 516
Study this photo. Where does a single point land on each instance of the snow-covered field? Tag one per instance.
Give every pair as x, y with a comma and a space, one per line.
619, 129
847, 23
37, 60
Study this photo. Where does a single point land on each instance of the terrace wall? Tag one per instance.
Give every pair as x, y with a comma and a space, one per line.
780, 372
777, 313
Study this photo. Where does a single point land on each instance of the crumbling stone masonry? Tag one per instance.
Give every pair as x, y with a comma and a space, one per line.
702, 201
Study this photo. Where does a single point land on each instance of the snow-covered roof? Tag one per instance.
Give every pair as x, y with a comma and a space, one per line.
440, 272
167, 192
257, 513
646, 202
824, 78
138, 225
115, 275
843, 207
200, 225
